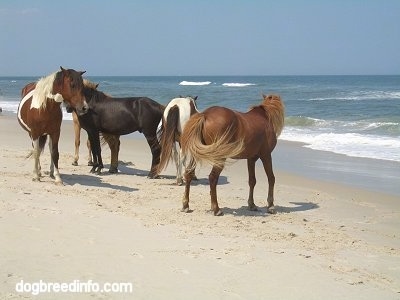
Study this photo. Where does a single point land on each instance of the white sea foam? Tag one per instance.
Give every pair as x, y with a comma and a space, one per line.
10, 106
234, 84
351, 144
194, 82
362, 95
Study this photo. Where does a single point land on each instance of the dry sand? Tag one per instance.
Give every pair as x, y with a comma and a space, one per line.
326, 241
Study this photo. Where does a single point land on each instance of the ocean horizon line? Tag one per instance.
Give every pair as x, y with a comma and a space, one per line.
210, 75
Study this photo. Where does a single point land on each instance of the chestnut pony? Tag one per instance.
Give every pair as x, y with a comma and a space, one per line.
39, 113
220, 133
176, 114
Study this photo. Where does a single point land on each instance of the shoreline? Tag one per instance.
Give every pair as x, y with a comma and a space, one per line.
294, 158
128, 228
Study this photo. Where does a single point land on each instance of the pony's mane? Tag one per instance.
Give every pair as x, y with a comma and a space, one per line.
89, 84
275, 111
43, 91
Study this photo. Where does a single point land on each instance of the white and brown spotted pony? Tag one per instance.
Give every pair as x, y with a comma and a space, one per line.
40, 114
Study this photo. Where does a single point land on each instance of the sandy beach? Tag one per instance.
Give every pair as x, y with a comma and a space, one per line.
327, 240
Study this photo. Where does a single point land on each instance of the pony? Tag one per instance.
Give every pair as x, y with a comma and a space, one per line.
220, 133
176, 114
112, 140
40, 114
120, 116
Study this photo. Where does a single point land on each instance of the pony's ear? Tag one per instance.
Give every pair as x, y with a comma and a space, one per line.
195, 98
62, 69
97, 85
82, 72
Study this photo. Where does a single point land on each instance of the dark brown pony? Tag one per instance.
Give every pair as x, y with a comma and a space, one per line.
39, 113
220, 133
120, 116
112, 140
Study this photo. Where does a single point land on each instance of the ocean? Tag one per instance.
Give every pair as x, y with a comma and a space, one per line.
356, 116
352, 115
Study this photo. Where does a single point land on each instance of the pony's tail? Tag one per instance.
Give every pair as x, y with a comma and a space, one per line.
168, 134
275, 109
224, 146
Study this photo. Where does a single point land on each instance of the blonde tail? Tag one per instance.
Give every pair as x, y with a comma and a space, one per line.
216, 153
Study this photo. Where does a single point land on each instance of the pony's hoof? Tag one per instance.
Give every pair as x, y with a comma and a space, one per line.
185, 210
179, 182
90, 163
153, 176
113, 170
218, 213
75, 163
36, 179
253, 208
93, 170
271, 210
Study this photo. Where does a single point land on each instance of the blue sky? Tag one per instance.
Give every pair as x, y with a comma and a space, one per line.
208, 37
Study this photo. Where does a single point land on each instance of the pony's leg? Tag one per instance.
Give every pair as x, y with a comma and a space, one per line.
36, 165
267, 162
114, 144
53, 146
182, 160
155, 151
188, 179
77, 131
178, 164
251, 164
89, 158
96, 152
213, 179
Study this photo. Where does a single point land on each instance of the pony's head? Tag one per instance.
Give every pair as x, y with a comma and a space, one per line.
69, 84
88, 88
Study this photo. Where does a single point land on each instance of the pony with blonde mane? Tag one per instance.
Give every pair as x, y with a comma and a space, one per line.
39, 113
176, 114
220, 133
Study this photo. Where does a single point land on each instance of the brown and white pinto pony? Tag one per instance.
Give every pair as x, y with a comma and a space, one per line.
220, 133
176, 114
40, 114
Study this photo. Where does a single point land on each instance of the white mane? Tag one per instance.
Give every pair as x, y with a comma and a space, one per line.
44, 90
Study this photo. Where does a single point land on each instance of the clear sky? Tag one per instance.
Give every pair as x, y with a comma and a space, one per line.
200, 37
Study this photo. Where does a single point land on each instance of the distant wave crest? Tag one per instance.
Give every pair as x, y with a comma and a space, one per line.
194, 82
362, 95
235, 84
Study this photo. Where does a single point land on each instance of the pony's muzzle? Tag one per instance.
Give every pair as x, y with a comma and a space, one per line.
83, 109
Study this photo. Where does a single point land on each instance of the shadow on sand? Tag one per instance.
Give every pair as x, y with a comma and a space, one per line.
262, 211
93, 180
